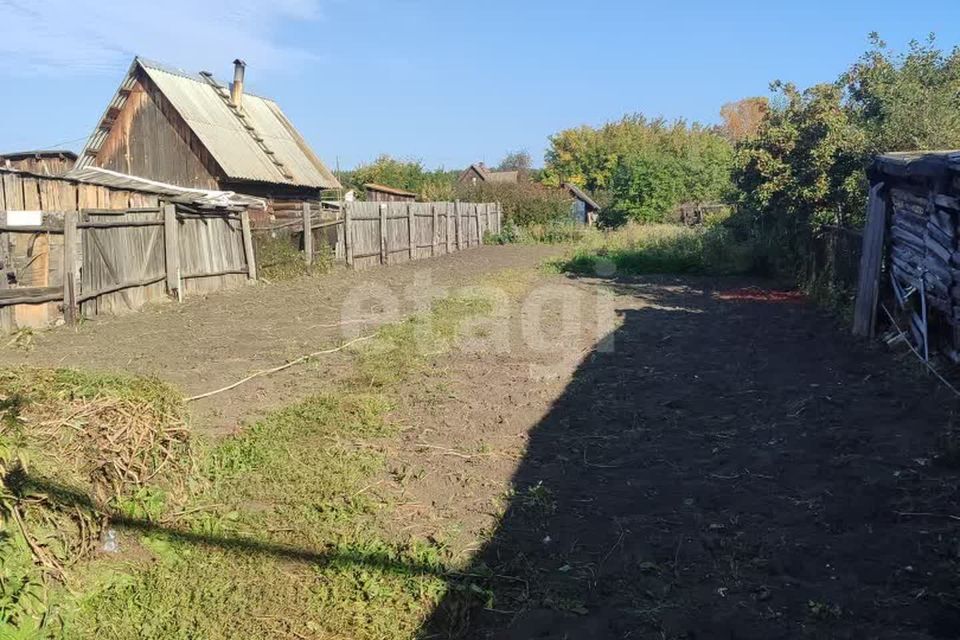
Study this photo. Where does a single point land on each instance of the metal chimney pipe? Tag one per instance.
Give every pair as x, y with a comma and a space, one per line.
236, 91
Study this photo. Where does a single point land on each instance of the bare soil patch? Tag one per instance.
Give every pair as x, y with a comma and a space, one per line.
737, 467
212, 341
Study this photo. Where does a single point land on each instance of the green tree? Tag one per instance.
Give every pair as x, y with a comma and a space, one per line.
403, 174
648, 167
516, 161
806, 164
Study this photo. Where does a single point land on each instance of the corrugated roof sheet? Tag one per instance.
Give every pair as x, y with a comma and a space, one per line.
224, 135
203, 197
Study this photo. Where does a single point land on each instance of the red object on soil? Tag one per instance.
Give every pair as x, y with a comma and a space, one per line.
756, 294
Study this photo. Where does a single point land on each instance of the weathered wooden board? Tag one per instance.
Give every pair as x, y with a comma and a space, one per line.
865, 308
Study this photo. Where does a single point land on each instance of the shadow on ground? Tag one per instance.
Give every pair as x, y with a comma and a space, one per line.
736, 468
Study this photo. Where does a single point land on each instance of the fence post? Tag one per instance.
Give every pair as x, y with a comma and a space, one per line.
383, 234
307, 234
347, 240
458, 221
476, 215
436, 234
69, 266
486, 209
248, 245
171, 248
499, 217
411, 234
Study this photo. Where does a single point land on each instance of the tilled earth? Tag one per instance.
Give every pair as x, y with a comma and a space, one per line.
726, 464
735, 466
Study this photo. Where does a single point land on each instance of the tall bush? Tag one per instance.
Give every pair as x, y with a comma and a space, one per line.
403, 174
805, 165
648, 167
524, 203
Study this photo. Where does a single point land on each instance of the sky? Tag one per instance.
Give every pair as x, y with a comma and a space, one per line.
444, 82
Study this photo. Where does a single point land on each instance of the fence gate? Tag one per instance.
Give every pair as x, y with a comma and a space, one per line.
123, 263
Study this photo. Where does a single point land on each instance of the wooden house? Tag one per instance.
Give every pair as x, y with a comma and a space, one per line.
45, 163
585, 209
382, 193
478, 173
189, 130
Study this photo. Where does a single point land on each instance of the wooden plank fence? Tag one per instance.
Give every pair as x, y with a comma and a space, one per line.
373, 233
91, 262
80, 264
393, 232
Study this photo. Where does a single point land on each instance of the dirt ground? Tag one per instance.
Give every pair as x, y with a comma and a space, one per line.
735, 467
211, 341
731, 465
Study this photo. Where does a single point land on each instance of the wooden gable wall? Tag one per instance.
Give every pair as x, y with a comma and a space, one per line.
149, 139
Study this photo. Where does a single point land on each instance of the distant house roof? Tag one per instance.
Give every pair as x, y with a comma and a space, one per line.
261, 145
171, 192
581, 195
487, 175
373, 186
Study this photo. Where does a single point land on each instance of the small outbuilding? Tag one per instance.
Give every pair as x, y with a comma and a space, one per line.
585, 209
383, 193
910, 258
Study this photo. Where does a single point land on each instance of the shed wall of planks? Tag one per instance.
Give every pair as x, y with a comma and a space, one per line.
119, 261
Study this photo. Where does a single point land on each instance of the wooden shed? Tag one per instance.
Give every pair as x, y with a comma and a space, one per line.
46, 163
383, 193
189, 130
585, 209
910, 261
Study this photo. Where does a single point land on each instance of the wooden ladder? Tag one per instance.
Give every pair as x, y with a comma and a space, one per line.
225, 96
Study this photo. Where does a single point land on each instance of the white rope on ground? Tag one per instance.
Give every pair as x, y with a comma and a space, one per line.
917, 353
267, 372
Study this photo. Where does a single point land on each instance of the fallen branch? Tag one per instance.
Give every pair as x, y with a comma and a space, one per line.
267, 372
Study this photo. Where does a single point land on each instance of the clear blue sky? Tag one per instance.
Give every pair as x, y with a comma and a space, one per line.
443, 81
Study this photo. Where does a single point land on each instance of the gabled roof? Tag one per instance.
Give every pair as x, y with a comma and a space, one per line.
373, 186
260, 145
581, 195
490, 176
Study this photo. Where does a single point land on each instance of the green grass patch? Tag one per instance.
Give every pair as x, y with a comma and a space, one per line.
639, 249
539, 233
278, 258
278, 531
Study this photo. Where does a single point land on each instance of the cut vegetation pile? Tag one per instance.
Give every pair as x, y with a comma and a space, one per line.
74, 446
